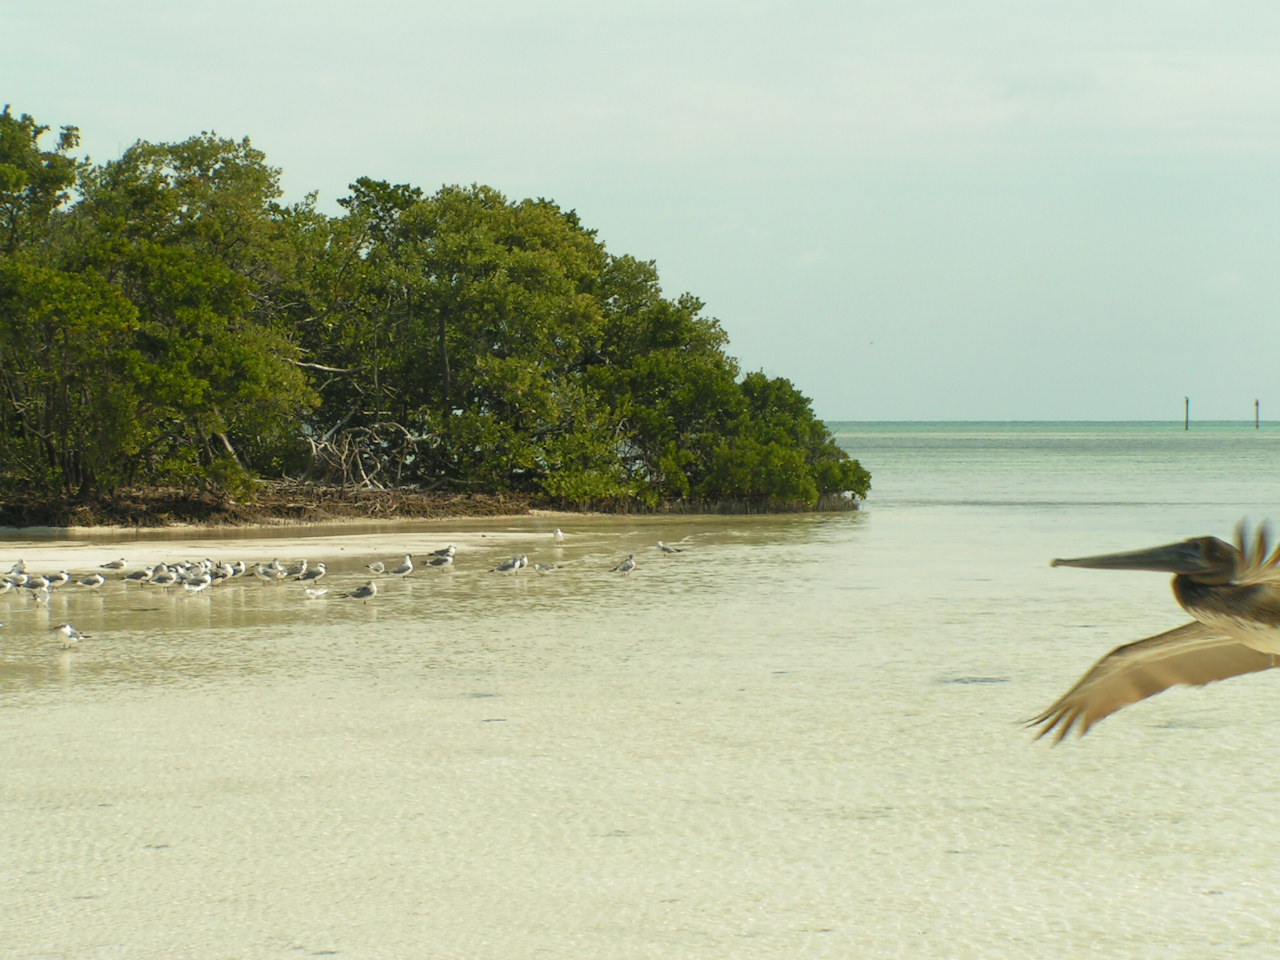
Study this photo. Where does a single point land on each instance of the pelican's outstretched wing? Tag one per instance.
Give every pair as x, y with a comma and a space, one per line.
1193, 654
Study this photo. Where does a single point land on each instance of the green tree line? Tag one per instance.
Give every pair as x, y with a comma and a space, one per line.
166, 320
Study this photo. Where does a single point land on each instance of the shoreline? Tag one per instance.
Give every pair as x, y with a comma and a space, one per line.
281, 505
277, 505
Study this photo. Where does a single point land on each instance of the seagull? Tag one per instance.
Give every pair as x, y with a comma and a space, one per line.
139, 576
441, 561
70, 635
312, 574
667, 548
112, 565
1233, 594
59, 578
448, 551
558, 536
545, 567
315, 593
163, 576
367, 592
627, 565
92, 581
403, 568
19, 567
269, 573
506, 566
376, 567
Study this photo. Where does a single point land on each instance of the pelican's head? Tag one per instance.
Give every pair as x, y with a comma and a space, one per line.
1206, 559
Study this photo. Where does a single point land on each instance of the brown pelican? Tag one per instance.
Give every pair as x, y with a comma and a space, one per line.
1233, 592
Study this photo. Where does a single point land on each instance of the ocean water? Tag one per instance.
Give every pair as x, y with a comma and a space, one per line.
800, 737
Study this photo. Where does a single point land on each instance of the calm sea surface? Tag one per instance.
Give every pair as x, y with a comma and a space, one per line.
798, 738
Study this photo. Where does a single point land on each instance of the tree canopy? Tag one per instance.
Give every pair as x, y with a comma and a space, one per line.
166, 320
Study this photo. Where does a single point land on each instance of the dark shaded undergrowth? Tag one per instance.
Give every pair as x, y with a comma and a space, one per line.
294, 503
274, 504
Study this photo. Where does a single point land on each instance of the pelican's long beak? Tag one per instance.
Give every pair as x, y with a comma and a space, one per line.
1186, 556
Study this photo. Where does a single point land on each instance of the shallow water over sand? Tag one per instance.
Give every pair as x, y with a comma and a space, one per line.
797, 738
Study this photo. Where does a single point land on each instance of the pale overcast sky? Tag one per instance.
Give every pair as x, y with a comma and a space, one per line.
931, 210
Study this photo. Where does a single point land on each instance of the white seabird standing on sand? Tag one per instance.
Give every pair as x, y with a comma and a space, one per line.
70, 635
627, 565
367, 592
312, 574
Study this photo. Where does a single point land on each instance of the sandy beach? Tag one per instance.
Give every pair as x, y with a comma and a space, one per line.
83, 549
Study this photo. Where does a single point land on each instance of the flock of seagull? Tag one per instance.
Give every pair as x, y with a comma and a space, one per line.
198, 576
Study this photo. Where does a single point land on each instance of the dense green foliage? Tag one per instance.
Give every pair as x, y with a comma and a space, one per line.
164, 319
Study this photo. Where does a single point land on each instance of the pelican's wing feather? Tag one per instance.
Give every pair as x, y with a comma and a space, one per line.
1259, 561
1192, 654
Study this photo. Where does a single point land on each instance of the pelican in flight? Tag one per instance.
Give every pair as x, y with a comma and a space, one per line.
1233, 594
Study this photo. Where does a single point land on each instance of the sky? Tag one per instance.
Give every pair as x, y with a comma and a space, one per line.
912, 210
